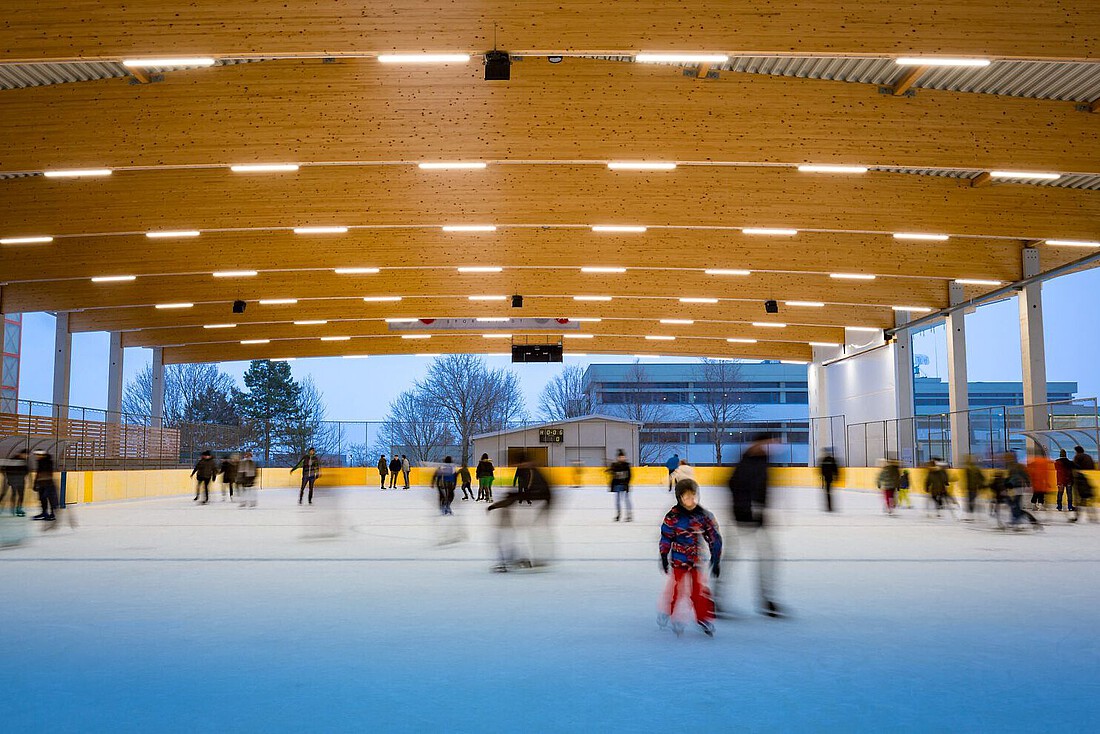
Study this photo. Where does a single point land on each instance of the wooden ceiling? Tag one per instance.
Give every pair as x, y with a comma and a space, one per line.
358, 128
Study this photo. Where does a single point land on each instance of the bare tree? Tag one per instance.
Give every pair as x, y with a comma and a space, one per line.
639, 405
417, 426
193, 393
306, 427
718, 399
474, 398
564, 396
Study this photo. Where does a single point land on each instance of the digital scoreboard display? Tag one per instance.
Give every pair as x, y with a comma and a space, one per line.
551, 435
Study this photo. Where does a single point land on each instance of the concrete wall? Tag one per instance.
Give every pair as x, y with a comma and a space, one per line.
861, 388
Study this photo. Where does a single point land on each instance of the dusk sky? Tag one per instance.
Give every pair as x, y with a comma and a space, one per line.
362, 389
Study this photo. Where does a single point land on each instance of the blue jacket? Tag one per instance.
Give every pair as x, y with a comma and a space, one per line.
681, 535
672, 463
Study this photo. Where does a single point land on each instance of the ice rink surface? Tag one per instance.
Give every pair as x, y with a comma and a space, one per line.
160, 615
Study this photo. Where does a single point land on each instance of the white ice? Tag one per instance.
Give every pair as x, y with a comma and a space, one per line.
160, 615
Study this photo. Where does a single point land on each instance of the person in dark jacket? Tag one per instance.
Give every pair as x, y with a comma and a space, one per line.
620, 485
444, 482
204, 472
464, 479
936, 480
1082, 487
15, 479
45, 486
830, 470
1063, 475
749, 487
383, 470
395, 470
672, 465
228, 471
484, 475
975, 482
685, 527
310, 464
534, 489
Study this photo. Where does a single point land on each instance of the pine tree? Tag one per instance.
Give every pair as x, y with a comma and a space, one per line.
270, 404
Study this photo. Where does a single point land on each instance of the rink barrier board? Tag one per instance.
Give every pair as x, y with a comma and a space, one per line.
106, 486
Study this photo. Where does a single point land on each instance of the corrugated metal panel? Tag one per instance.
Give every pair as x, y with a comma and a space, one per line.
1081, 181
18, 76
864, 71
18, 175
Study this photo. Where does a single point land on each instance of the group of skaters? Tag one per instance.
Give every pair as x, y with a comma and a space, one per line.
1021, 489
238, 474
392, 468
17, 470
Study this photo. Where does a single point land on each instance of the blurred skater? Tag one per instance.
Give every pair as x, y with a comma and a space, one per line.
749, 487
383, 470
683, 471
228, 470
1039, 469
246, 480
15, 480
310, 464
395, 467
1082, 487
829, 471
444, 482
1018, 484
975, 482
936, 482
904, 483
1063, 475
686, 526
672, 465
464, 478
45, 486
484, 475
406, 467
521, 479
536, 491
620, 486
889, 477
204, 472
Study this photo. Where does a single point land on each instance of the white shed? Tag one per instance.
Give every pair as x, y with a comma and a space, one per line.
592, 440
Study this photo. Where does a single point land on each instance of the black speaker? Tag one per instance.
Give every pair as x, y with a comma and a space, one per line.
771, 307
517, 301
498, 66
239, 306
537, 353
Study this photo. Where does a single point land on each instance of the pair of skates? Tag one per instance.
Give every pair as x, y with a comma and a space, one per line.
665, 622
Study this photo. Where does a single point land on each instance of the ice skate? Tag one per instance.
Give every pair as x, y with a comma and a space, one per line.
662, 620
708, 628
678, 628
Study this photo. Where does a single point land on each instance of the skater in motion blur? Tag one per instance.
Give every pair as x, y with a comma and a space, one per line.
444, 482
1018, 483
464, 478
1039, 469
536, 491
1082, 487
975, 482
15, 480
903, 490
749, 487
936, 482
44, 485
686, 526
484, 474
830, 470
672, 464
246, 479
228, 471
889, 477
620, 486
204, 472
310, 464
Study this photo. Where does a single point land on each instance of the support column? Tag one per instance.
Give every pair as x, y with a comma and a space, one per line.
62, 363
1033, 346
903, 390
156, 410
114, 379
958, 391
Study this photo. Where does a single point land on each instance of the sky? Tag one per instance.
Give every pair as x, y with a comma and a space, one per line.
361, 389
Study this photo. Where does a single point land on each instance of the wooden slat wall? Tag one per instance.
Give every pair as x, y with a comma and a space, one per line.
96, 439
361, 110
55, 29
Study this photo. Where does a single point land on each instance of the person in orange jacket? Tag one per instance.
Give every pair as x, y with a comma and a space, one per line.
1039, 468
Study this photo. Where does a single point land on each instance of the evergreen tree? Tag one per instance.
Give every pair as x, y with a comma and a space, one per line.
270, 404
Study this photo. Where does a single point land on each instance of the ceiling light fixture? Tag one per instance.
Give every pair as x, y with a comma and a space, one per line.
805, 304
469, 228
401, 321
920, 236
579, 336
496, 336
738, 340
681, 58
656, 338
25, 240
78, 173
320, 230
174, 61
356, 271
852, 276
335, 338
598, 269
174, 305
256, 341
976, 281
114, 278
173, 233
767, 231
912, 309
278, 301
591, 298
1037, 175
719, 271
939, 61
416, 336
698, 300
219, 326
624, 228
640, 166
1072, 243
381, 299
319, 322
451, 165
863, 328
769, 325
488, 298
424, 58
235, 273
265, 168
823, 344
820, 168
480, 269
681, 322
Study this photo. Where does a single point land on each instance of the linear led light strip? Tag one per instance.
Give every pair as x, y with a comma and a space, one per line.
451, 165
920, 236
173, 305
769, 325
497, 336
852, 276
174, 61
381, 299
640, 166
624, 228
37, 240
469, 228
722, 271
278, 301
335, 338
220, 326
599, 269
656, 338
678, 322
912, 309
78, 173
416, 336
585, 320
591, 298
315, 322
769, 231
256, 341
805, 304
828, 168
738, 340
173, 233
823, 344
401, 321
235, 273
1072, 243
320, 230
424, 58
976, 281
480, 269
264, 168
356, 271
579, 336
114, 278
698, 300
488, 298
647, 58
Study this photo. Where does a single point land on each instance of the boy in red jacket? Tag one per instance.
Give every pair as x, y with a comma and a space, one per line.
684, 529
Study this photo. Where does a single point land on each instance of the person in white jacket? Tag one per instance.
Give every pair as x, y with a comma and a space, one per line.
684, 471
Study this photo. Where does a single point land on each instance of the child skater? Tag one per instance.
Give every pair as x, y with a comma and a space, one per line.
685, 527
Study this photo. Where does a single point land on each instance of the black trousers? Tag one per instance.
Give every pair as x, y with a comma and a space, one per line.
383, 475
393, 480
202, 487
47, 495
828, 483
306, 480
17, 486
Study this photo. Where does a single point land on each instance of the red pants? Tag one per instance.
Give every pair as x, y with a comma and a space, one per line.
890, 494
700, 594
